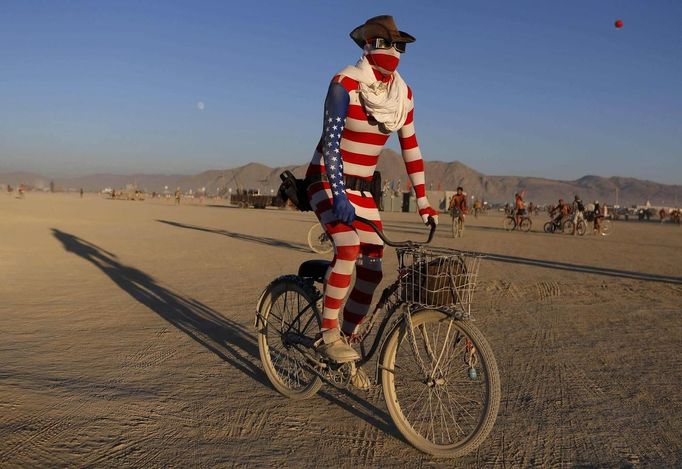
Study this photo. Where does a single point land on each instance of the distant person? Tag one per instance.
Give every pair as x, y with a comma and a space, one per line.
559, 212
598, 217
477, 208
178, 195
531, 209
520, 208
578, 210
81, 191
458, 205
662, 214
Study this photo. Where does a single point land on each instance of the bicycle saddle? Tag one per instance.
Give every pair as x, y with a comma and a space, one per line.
315, 269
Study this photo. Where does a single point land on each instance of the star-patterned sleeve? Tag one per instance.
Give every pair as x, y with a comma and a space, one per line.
335, 111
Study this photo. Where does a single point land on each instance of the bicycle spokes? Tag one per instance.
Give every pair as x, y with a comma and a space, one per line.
439, 383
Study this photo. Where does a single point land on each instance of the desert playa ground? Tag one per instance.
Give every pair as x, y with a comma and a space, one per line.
127, 340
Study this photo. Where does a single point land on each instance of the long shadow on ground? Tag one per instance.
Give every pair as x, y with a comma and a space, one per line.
227, 339
242, 236
549, 264
582, 268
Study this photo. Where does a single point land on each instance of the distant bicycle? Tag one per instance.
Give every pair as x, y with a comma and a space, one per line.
525, 223
605, 225
457, 223
580, 228
318, 239
554, 226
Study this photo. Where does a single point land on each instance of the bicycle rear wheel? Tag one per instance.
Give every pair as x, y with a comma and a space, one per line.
318, 239
450, 412
288, 323
548, 227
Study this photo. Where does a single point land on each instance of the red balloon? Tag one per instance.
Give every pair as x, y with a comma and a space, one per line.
618, 24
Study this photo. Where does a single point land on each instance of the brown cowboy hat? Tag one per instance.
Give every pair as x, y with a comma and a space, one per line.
379, 26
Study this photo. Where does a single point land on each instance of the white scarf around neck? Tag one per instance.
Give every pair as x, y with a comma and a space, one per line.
385, 102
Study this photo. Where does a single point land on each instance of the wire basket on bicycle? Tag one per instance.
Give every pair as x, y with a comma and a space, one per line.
437, 278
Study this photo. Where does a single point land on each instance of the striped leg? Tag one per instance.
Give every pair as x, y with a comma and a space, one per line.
346, 250
368, 266
368, 277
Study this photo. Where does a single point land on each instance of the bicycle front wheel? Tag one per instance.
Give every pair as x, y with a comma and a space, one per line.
509, 223
606, 227
448, 407
318, 239
526, 224
568, 226
581, 228
288, 324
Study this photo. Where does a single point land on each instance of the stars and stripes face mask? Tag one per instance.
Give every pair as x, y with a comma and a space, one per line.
384, 60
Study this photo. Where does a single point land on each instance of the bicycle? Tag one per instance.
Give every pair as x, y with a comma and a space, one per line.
425, 340
525, 223
553, 226
318, 239
457, 223
580, 228
605, 225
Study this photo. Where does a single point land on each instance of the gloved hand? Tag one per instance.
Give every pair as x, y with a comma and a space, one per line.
343, 210
427, 212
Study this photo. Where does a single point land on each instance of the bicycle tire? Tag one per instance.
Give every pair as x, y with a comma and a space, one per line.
391, 372
548, 227
606, 227
457, 228
568, 226
509, 223
581, 228
526, 224
271, 338
318, 240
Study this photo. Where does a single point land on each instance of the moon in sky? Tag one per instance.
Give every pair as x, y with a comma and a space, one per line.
201, 105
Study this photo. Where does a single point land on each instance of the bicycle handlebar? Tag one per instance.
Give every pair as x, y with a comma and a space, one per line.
399, 244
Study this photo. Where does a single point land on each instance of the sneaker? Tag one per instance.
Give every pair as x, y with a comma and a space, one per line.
334, 347
360, 380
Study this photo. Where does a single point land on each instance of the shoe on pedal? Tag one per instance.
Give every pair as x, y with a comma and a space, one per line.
334, 347
360, 380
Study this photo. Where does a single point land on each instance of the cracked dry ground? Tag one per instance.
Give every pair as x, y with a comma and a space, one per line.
127, 339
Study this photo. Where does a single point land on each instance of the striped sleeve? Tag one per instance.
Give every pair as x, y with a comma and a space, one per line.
414, 164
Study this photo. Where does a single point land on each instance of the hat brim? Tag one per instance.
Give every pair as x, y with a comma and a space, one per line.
358, 36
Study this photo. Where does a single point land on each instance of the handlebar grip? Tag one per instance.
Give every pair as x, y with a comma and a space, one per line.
398, 244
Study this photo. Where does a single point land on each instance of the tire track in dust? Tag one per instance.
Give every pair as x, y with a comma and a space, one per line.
47, 434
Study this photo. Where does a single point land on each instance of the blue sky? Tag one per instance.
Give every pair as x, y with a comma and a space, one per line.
534, 88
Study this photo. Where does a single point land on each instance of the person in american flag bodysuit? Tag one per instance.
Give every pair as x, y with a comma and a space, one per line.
365, 103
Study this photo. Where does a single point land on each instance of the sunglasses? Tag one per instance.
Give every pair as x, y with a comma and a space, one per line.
381, 43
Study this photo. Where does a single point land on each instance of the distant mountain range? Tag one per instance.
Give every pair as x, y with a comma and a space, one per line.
439, 176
